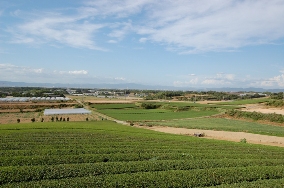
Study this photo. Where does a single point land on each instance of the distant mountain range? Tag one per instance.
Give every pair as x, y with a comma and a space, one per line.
132, 86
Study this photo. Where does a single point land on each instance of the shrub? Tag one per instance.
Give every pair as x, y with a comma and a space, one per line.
150, 105
243, 140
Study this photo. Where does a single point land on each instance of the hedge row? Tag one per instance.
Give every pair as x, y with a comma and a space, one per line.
171, 178
31, 173
273, 117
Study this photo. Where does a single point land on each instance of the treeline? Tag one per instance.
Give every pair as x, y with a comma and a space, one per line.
273, 117
277, 96
31, 92
199, 96
276, 103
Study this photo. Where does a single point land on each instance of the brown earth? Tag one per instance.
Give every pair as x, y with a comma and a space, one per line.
223, 135
263, 109
8, 118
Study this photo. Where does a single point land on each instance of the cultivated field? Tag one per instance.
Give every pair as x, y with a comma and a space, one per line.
99, 153
107, 154
25, 111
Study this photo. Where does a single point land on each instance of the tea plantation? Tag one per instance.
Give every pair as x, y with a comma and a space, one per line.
106, 154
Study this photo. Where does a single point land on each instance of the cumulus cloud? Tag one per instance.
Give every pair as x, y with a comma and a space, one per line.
190, 82
9, 68
215, 82
142, 40
112, 41
220, 79
78, 72
120, 78
274, 81
74, 72
19, 73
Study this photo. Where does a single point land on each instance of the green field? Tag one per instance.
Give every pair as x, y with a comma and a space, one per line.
106, 154
221, 124
154, 114
245, 101
166, 111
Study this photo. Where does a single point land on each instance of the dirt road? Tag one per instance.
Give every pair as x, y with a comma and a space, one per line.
224, 135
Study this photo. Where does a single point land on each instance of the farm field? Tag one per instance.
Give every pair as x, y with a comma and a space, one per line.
244, 102
107, 154
222, 124
8, 118
165, 111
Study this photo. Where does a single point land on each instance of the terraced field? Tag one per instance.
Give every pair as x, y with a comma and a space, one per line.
106, 154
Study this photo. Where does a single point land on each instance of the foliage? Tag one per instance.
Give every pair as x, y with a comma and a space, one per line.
273, 117
243, 140
245, 101
78, 106
150, 105
276, 103
113, 106
277, 96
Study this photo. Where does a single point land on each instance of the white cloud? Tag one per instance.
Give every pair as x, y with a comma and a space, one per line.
75, 72
275, 81
215, 82
186, 26
186, 83
201, 26
112, 41
120, 78
54, 28
117, 9
142, 40
225, 76
20, 73
9, 68
78, 72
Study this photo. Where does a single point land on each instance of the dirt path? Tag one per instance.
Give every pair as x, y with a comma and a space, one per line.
224, 135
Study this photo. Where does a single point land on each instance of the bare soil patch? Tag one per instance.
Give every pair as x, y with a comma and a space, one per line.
224, 135
7, 118
263, 109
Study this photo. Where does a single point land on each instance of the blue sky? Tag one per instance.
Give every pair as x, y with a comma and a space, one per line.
181, 43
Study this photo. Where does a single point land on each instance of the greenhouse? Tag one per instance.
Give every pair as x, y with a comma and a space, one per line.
26, 99
66, 111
